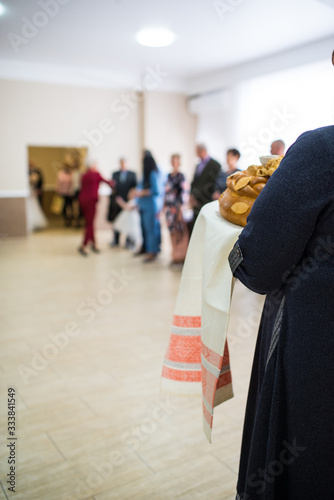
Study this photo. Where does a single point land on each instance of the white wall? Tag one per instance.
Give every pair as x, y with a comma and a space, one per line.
170, 128
283, 106
57, 115
112, 123
218, 121
39, 114
250, 115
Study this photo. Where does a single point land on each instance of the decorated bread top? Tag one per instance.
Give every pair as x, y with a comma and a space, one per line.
243, 188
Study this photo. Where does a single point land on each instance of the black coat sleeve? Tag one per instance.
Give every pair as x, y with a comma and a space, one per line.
285, 215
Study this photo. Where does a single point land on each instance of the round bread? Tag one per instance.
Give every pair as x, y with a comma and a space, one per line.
236, 202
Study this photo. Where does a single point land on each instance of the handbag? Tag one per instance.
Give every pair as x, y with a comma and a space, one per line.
57, 205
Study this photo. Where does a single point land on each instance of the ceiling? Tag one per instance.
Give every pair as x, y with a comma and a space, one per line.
98, 37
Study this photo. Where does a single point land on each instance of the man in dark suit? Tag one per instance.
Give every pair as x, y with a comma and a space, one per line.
203, 184
124, 180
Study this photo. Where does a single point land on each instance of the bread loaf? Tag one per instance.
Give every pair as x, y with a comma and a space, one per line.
236, 202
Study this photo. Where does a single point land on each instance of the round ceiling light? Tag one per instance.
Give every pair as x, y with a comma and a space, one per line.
155, 38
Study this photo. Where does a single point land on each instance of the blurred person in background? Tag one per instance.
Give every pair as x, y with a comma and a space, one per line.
149, 204
128, 223
232, 158
88, 198
36, 219
277, 147
36, 181
173, 204
76, 181
124, 180
203, 184
64, 188
68, 186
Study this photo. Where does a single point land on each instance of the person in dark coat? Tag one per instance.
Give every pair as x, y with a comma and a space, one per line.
203, 184
287, 252
124, 180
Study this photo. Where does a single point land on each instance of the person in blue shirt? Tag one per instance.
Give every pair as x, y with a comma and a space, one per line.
149, 206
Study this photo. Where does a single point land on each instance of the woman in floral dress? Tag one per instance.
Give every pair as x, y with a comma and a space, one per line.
173, 204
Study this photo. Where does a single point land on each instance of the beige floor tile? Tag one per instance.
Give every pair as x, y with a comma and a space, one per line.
44, 418
3, 487
91, 422
88, 436
52, 482
33, 453
184, 481
106, 470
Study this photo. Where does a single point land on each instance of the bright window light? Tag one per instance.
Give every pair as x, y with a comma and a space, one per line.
155, 37
2, 9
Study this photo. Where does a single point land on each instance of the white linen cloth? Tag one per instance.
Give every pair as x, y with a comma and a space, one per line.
197, 359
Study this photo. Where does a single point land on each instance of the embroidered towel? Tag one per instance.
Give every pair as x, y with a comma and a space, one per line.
197, 358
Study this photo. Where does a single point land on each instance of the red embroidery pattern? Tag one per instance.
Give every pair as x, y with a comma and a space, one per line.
184, 349
187, 349
212, 357
207, 415
209, 383
181, 375
224, 379
187, 321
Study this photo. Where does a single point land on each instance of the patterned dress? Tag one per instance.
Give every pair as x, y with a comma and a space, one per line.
174, 201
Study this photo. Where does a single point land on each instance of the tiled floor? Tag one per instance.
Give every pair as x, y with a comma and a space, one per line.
91, 423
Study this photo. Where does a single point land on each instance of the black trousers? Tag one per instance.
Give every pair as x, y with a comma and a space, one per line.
68, 209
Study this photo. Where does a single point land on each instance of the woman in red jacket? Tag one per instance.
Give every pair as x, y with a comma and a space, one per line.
88, 197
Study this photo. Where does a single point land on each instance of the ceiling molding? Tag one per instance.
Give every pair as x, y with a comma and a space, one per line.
62, 75
298, 56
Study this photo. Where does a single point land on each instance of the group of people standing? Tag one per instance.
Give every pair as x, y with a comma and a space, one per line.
142, 204
64, 202
135, 207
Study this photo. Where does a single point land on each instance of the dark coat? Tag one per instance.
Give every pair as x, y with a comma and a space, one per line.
203, 185
287, 251
121, 189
